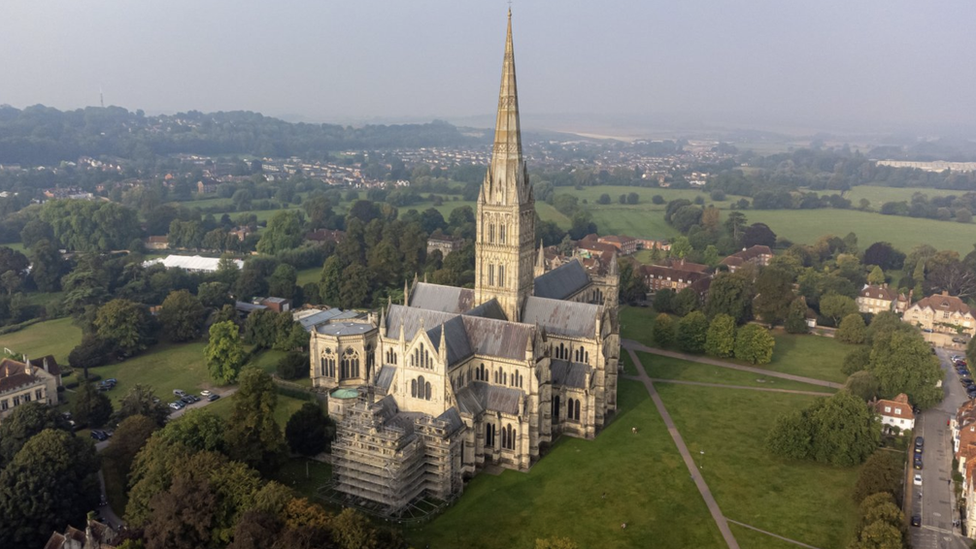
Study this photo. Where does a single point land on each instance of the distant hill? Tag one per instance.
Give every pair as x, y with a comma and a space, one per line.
42, 135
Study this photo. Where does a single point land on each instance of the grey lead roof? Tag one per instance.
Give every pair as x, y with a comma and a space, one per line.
566, 318
456, 338
385, 378
488, 309
453, 420
311, 321
344, 328
484, 336
569, 374
479, 397
410, 318
490, 337
447, 299
561, 282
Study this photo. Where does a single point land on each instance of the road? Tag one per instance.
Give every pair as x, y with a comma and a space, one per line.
114, 520
936, 504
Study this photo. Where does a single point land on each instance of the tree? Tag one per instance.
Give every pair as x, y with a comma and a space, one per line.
753, 344
845, 430
856, 360
876, 276
605, 199
884, 255
224, 354
692, 332
354, 288
90, 406
253, 436
758, 234
309, 430
24, 422
47, 266
903, 363
664, 300
354, 531
282, 281
836, 307
142, 401
182, 517
130, 436
293, 365
128, 325
51, 481
284, 232
720, 339
198, 430
663, 330
214, 294
882, 472
796, 317
791, 436
864, 385
685, 301
852, 329
182, 316
730, 294
774, 289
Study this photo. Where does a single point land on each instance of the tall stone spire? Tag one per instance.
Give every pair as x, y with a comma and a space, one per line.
504, 248
506, 181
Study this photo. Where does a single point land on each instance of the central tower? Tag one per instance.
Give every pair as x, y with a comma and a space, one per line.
504, 257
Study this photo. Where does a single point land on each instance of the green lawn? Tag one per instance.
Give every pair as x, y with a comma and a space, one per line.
164, 367
803, 501
293, 475
809, 356
591, 194
312, 274
629, 368
646, 483
52, 337
636, 324
663, 367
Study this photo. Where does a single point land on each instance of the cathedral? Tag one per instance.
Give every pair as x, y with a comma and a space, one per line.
430, 391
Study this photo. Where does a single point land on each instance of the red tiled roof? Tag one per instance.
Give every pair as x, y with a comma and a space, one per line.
944, 302
878, 292
900, 408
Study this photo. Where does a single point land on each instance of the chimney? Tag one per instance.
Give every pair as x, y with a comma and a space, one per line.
945, 292
46, 369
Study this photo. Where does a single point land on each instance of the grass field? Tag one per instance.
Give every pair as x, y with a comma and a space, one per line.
286, 407
751, 539
803, 501
879, 195
663, 367
52, 337
292, 474
809, 356
636, 324
645, 481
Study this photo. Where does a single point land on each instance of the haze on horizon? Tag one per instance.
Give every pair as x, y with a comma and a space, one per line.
870, 65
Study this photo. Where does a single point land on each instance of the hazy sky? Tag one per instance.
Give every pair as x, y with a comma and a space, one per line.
744, 62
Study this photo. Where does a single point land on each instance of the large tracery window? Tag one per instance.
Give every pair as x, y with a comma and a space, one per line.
328, 364
508, 437
420, 388
349, 365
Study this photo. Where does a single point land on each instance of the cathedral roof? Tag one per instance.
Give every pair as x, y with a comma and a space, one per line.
561, 282
479, 397
411, 318
570, 374
448, 299
456, 339
499, 338
488, 309
567, 318
465, 334
385, 378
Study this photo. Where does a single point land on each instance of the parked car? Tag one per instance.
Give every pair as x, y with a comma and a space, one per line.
186, 400
213, 397
919, 442
177, 405
100, 436
179, 392
918, 479
918, 462
916, 520
205, 393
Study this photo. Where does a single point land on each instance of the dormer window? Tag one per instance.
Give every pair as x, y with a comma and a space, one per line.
887, 409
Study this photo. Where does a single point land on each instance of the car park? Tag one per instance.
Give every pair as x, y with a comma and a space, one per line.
186, 400
918, 479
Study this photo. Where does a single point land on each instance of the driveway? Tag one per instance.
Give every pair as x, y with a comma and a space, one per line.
934, 500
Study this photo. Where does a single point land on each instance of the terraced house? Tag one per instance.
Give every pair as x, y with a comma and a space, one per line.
454, 379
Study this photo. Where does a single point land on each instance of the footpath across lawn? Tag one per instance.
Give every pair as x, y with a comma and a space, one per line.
664, 367
645, 481
800, 500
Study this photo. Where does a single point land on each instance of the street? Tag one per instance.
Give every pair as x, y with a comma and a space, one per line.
936, 504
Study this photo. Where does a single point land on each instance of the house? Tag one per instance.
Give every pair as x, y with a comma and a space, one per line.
156, 242
96, 535
651, 244
590, 246
876, 299
207, 186
241, 232
941, 317
625, 245
47, 363
760, 255
22, 382
443, 243
674, 275
896, 413
276, 304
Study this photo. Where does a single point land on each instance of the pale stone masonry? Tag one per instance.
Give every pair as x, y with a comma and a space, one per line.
430, 391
